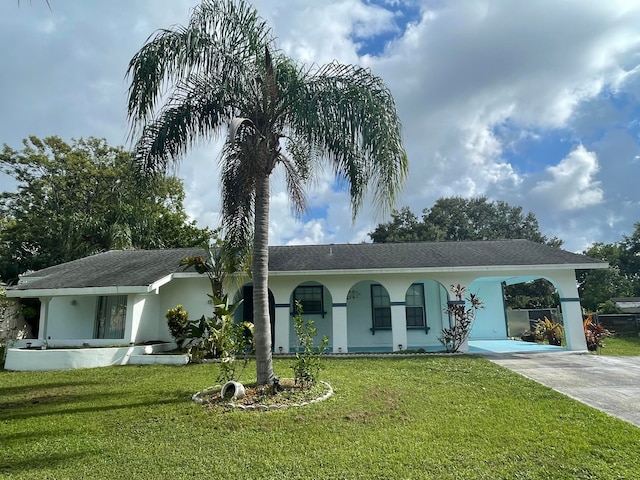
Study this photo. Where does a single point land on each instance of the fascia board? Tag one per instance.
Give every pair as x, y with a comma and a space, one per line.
158, 283
469, 269
87, 291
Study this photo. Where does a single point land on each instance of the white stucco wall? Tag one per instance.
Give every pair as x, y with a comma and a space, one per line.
191, 293
148, 323
70, 317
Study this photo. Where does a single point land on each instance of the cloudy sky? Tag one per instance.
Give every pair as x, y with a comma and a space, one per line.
535, 103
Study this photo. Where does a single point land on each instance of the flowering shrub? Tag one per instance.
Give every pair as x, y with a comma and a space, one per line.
594, 334
461, 318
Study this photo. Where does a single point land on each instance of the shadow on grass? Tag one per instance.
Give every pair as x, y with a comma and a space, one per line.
21, 389
28, 463
20, 412
21, 437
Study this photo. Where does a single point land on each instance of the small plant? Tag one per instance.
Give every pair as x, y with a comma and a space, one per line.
307, 365
595, 333
220, 337
178, 321
549, 331
461, 318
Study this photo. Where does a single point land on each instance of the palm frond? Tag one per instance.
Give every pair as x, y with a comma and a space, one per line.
295, 185
194, 111
220, 38
348, 115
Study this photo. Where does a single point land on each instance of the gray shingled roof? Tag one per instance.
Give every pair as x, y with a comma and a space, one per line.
364, 256
144, 267
110, 269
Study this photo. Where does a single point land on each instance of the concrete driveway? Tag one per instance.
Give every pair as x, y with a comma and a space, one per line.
610, 384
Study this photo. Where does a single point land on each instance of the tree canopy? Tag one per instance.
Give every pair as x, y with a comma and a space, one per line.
622, 279
457, 218
77, 199
223, 72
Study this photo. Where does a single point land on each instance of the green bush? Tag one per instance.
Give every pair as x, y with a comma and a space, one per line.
307, 365
178, 322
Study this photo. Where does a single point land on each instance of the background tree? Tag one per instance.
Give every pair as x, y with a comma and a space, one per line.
223, 71
622, 279
458, 219
79, 199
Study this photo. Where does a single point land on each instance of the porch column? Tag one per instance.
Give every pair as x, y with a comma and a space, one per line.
136, 305
340, 338
398, 326
571, 311
282, 328
44, 318
572, 319
132, 320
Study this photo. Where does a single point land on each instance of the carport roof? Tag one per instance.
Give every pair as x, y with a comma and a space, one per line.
144, 268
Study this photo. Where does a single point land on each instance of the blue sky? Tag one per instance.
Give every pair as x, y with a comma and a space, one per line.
533, 103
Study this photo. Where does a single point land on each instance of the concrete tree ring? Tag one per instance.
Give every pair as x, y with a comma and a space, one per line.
236, 389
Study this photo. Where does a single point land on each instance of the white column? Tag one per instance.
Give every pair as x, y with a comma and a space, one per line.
44, 318
340, 337
399, 326
135, 310
573, 326
282, 328
571, 312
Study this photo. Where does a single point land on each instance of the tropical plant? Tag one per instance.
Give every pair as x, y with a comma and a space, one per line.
223, 72
217, 336
306, 368
595, 333
177, 321
549, 331
461, 318
220, 337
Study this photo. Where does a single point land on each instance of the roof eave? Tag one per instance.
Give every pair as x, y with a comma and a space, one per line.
480, 268
79, 291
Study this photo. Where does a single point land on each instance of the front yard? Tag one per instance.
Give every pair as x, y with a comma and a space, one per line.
621, 346
428, 417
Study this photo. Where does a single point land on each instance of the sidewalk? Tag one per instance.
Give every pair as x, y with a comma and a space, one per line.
610, 384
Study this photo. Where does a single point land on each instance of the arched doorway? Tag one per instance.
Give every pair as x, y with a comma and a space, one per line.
244, 313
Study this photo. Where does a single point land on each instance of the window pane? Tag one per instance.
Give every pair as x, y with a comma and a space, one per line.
380, 307
310, 297
111, 314
415, 317
382, 317
414, 301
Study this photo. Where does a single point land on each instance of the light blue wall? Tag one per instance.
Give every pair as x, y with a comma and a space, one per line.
359, 320
490, 322
323, 324
435, 297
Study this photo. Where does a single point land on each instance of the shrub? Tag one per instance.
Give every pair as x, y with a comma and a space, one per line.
461, 319
594, 333
178, 320
220, 337
551, 332
307, 365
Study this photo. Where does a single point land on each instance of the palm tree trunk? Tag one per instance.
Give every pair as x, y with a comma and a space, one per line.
260, 263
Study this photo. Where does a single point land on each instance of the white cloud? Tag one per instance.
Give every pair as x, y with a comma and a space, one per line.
572, 183
465, 69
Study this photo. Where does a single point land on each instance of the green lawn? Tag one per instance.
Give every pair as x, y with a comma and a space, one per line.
621, 346
430, 417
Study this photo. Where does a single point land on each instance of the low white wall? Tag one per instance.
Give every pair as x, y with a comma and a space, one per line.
71, 358
158, 359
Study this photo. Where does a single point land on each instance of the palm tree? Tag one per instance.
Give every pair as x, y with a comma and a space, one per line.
222, 72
